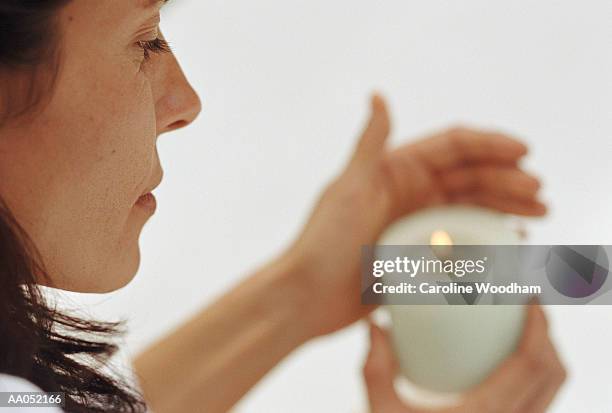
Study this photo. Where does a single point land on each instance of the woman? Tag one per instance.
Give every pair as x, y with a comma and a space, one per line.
87, 88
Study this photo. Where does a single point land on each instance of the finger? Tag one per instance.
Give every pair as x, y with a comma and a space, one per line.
501, 203
492, 179
551, 362
533, 342
556, 377
379, 373
461, 146
371, 144
522, 376
543, 398
512, 385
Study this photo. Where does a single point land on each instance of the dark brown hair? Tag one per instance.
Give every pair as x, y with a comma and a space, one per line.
56, 351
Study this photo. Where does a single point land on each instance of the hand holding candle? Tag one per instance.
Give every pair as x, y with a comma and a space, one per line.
378, 186
452, 348
376, 189
527, 381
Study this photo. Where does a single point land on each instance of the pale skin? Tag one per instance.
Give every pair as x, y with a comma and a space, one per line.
313, 288
526, 382
81, 165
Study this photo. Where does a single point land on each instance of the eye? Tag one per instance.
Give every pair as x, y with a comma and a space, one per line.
158, 46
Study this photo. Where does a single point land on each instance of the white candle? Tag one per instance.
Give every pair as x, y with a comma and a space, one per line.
448, 348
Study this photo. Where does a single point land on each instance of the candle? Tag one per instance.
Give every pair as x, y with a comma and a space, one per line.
451, 348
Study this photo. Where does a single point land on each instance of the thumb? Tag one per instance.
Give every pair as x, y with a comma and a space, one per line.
371, 144
379, 371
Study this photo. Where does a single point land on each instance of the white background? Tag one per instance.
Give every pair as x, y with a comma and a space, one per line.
285, 85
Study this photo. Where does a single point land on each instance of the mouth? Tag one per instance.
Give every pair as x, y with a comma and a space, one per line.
147, 199
152, 187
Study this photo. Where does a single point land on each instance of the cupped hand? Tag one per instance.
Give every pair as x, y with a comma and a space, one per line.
379, 185
526, 382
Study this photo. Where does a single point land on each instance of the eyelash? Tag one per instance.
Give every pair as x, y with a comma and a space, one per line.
158, 46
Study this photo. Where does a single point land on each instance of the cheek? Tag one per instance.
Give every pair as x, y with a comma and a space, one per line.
90, 155
111, 140
73, 174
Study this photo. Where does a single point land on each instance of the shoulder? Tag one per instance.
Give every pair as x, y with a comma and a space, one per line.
17, 384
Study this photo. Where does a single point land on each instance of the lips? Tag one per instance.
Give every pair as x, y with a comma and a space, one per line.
151, 188
147, 200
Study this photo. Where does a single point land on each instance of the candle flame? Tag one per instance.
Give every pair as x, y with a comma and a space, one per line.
441, 237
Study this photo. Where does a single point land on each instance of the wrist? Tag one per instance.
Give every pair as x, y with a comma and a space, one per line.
288, 295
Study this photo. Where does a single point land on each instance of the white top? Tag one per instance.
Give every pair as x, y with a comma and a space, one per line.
17, 384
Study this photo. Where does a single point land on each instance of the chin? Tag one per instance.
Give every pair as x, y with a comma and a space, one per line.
121, 269
121, 274
104, 276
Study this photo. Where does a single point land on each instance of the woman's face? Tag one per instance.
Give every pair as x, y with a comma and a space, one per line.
74, 176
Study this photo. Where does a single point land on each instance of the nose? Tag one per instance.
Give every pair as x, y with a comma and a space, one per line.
177, 104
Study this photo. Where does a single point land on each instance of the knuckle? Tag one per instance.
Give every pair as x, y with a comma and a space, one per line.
459, 138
